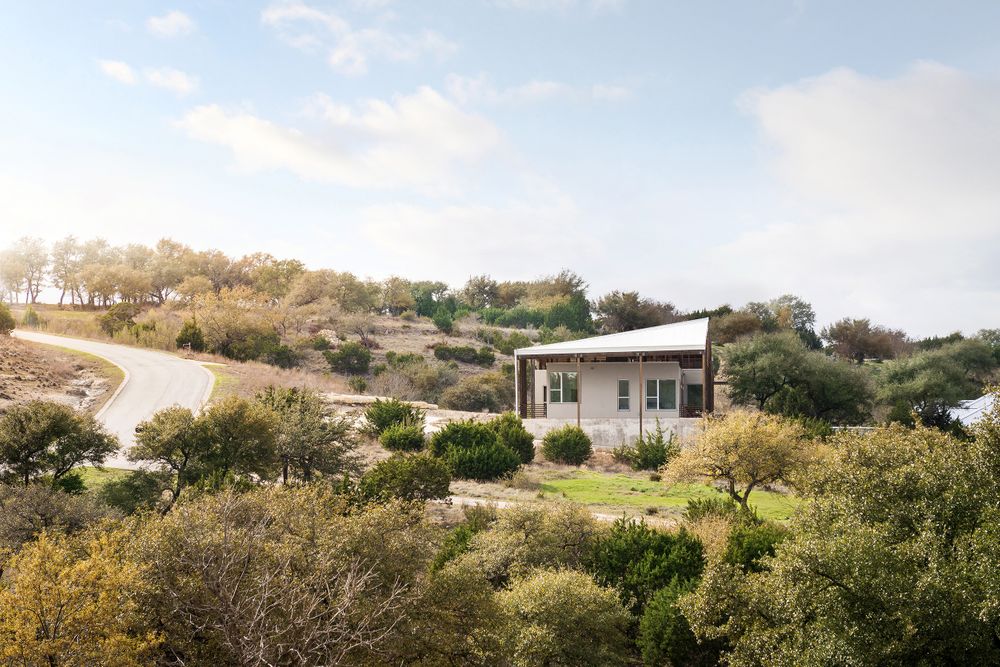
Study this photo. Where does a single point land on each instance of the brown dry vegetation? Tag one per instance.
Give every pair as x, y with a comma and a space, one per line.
31, 371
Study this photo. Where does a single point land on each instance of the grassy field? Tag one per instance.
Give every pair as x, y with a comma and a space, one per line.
95, 478
607, 491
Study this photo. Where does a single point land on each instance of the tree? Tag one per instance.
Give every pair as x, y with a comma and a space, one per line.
857, 340
74, 603
744, 451
777, 373
175, 440
480, 292
191, 336
47, 438
407, 477
733, 326
892, 561
563, 618
992, 338
350, 358
932, 382
625, 311
397, 295
33, 258
242, 436
28, 511
66, 265
665, 637
309, 437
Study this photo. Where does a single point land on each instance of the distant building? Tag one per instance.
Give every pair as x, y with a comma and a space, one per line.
969, 412
619, 385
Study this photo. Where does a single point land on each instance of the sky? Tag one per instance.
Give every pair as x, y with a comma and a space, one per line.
697, 152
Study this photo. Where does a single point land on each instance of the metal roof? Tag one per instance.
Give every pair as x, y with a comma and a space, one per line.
677, 337
969, 412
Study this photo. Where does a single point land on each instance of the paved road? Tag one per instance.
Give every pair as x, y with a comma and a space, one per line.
153, 380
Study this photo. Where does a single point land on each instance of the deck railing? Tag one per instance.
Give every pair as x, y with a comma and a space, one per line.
537, 411
690, 411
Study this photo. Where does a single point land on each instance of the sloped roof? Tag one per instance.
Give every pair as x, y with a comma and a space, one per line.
676, 337
969, 412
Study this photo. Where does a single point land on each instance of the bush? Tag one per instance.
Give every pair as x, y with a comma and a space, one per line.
477, 519
281, 356
699, 508
637, 560
136, 491
191, 335
419, 477
405, 437
358, 384
443, 321
651, 452
350, 358
567, 444
382, 414
748, 543
118, 317
486, 392
472, 451
511, 433
665, 638
7, 321
482, 357
408, 315
31, 318
320, 343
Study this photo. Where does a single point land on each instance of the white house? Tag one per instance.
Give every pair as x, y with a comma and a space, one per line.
969, 412
618, 385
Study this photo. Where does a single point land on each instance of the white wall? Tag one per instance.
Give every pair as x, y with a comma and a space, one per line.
610, 433
598, 391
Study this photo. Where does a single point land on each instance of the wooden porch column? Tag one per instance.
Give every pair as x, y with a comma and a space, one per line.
708, 380
579, 390
642, 395
521, 386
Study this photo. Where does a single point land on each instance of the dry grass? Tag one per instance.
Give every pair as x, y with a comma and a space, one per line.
248, 378
31, 371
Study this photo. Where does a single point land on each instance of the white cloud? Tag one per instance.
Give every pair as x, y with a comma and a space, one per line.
415, 141
119, 71
519, 239
172, 79
172, 24
892, 190
349, 50
481, 90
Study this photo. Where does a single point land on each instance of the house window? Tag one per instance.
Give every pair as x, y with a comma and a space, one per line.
623, 396
695, 396
661, 394
562, 387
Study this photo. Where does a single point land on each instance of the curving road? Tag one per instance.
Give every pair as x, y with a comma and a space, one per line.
153, 381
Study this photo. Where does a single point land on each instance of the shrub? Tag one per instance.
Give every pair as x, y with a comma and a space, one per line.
351, 358
358, 384
665, 638
443, 321
405, 437
31, 318
468, 354
281, 356
637, 560
419, 477
191, 335
486, 392
408, 316
699, 508
472, 451
650, 452
382, 414
511, 433
477, 519
567, 444
7, 321
320, 343
118, 317
749, 542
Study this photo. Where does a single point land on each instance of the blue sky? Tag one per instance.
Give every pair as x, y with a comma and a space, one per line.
699, 152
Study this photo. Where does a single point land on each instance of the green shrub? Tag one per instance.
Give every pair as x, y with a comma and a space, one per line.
118, 317
443, 321
408, 315
358, 384
281, 356
7, 321
351, 358
511, 433
665, 638
504, 343
650, 452
472, 451
748, 543
567, 444
382, 414
477, 519
191, 335
699, 508
466, 353
135, 491
485, 392
637, 560
405, 437
31, 318
320, 343
419, 477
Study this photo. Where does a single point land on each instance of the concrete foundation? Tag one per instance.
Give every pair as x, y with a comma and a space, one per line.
610, 433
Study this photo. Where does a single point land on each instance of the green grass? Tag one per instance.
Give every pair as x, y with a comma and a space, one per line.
225, 381
95, 478
625, 490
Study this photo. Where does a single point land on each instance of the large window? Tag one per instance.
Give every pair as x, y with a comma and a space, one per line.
623, 396
661, 395
695, 396
562, 387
